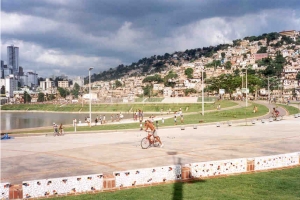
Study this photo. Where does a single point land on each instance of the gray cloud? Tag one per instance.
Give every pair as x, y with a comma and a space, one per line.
68, 36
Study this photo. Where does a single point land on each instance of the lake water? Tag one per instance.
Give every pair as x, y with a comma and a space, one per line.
19, 120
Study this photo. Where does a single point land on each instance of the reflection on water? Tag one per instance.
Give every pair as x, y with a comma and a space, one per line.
18, 120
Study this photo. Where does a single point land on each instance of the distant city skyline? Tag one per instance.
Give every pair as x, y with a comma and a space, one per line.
69, 36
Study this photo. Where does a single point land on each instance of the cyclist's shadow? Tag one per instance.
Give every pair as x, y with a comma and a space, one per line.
178, 186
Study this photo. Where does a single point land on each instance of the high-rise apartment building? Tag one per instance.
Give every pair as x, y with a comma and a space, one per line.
32, 79
2, 69
13, 58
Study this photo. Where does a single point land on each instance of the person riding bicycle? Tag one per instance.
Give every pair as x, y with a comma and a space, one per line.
275, 112
150, 126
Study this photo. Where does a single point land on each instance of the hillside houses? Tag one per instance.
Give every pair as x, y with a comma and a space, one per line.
246, 54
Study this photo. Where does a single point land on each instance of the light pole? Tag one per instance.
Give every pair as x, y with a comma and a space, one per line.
90, 94
269, 97
202, 91
268, 90
246, 89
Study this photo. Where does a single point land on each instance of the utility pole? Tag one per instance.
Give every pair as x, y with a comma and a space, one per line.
268, 90
202, 92
246, 90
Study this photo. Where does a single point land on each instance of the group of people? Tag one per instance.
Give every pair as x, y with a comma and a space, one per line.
178, 114
116, 118
101, 120
138, 115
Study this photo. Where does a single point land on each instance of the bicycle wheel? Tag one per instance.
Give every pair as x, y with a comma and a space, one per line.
156, 143
145, 143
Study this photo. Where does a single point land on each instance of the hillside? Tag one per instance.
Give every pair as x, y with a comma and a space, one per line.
158, 63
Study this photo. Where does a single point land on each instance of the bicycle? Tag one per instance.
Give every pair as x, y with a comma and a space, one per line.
276, 117
146, 142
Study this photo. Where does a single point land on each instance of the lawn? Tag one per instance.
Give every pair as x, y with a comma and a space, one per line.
154, 99
272, 185
214, 116
291, 109
129, 107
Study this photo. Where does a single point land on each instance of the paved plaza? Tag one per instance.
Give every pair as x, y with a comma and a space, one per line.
39, 157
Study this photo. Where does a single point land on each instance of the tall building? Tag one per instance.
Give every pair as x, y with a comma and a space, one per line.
2, 69
11, 84
79, 80
32, 79
13, 58
21, 72
47, 84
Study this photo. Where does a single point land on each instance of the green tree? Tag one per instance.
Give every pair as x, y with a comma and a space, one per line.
214, 63
156, 78
228, 65
223, 55
189, 91
237, 42
50, 97
236, 72
167, 82
262, 50
63, 92
297, 76
118, 83
189, 72
76, 87
26, 97
148, 90
41, 97
75, 90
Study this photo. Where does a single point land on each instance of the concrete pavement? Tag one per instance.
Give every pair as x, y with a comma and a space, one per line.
39, 157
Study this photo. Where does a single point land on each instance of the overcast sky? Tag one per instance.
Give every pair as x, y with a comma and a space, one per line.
68, 36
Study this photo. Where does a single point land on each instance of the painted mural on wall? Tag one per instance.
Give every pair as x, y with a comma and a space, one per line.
276, 161
221, 167
66, 185
147, 176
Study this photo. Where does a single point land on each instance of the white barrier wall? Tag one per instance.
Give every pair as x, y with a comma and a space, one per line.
221, 167
75, 184
147, 175
4, 190
276, 161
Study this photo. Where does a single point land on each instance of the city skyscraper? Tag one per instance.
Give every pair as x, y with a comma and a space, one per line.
13, 58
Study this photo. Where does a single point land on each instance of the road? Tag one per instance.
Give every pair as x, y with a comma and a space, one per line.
40, 157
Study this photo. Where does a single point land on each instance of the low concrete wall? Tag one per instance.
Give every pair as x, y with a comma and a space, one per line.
65, 185
276, 161
214, 168
4, 190
146, 176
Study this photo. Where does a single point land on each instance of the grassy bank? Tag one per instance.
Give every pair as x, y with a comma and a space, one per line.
147, 107
280, 184
291, 109
215, 116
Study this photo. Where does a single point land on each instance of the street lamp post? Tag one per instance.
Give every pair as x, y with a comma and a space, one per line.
269, 94
268, 89
246, 89
202, 91
90, 95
